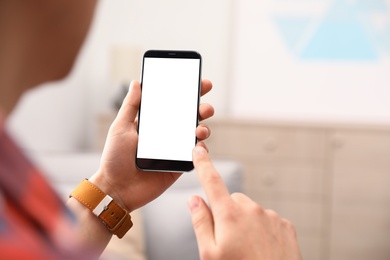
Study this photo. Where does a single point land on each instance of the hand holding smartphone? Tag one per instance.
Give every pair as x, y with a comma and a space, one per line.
168, 113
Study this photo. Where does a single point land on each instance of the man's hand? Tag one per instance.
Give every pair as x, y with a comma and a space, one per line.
234, 226
118, 175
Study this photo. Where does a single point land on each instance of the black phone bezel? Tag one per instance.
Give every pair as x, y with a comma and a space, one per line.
161, 165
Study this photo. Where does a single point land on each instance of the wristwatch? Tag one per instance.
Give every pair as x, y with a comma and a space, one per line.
116, 218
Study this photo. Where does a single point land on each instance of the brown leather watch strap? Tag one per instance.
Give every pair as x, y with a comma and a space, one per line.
116, 218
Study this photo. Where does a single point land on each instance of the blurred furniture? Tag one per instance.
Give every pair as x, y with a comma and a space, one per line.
331, 181
162, 229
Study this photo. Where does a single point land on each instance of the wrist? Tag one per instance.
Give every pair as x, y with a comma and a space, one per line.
92, 234
105, 186
116, 218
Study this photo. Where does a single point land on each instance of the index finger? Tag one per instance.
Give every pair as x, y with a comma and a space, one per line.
209, 178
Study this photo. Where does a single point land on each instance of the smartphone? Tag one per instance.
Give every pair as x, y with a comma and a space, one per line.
169, 110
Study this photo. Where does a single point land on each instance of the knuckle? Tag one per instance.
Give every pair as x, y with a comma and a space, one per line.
257, 210
212, 176
237, 196
247, 202
228, 215
272, 214
289, 226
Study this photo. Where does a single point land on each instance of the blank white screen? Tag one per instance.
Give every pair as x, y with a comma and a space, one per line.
169, 107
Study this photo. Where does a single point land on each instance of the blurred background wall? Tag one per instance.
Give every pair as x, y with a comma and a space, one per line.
295, 60
301, 91
122, 31
312, 60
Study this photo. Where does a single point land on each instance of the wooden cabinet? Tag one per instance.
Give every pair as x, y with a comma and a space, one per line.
360, 196
284, 170
333, 183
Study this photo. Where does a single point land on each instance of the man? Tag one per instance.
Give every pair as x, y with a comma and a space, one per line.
39, 41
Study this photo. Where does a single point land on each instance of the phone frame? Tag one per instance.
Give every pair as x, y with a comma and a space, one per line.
163, 165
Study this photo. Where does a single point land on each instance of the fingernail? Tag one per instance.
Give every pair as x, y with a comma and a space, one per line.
200, 150
194, 203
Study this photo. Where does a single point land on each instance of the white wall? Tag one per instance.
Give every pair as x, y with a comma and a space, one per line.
312, 61
52, 116
253, 51
199, 25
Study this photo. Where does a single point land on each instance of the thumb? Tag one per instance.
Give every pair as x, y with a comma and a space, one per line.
202, 221
129, 109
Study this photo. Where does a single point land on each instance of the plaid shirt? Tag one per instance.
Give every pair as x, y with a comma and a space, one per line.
34, 222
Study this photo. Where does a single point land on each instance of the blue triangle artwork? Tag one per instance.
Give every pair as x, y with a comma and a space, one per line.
357, 30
